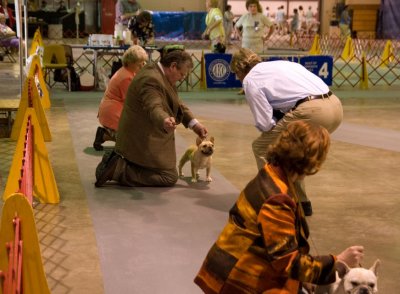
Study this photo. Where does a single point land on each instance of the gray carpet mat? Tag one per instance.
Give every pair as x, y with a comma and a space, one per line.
150, 240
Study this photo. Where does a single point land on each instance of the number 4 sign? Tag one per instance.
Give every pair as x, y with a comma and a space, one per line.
321, 66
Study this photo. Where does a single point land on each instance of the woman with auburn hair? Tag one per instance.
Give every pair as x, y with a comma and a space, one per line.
264, 247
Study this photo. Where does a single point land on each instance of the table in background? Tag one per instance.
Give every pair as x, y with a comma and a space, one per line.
91, 57
7, 107
34, 25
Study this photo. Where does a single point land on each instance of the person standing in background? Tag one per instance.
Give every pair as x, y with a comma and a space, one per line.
124, 10
267, 13
43, 6
113, 100
294, 27
62, 7
280, 20
8, 13
252, 27
344, 23
309, 20
228, 24
142, 28
214, 31
302, 18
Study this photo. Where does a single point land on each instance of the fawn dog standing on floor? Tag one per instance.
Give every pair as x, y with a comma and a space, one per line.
200, 157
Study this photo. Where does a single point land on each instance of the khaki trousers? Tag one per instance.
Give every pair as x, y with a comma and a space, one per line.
327, 112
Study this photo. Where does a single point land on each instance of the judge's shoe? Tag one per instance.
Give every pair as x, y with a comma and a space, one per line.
307, 208
106, 168
99, 139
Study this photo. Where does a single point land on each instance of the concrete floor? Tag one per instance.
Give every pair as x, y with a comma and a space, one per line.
153, 240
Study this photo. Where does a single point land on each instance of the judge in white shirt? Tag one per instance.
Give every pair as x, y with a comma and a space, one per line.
279, 92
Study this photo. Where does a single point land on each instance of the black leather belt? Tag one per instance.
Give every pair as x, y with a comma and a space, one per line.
312, 97
277, 114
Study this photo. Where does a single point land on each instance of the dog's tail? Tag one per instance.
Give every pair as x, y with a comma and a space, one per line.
186, 156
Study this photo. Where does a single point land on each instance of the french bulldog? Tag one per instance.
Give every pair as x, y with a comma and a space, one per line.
356, 280
200, 156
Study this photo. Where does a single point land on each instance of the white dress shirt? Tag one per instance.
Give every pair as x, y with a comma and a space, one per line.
278, 85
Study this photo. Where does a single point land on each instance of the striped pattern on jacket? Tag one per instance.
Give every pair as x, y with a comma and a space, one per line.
264, 248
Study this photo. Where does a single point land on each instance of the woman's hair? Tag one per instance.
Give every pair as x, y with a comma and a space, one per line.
244, 60
259, 8
248, 2
214, 3
134, 54
301, 148
179, 56
144, 17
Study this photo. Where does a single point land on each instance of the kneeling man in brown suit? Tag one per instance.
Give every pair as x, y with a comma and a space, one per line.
145, 152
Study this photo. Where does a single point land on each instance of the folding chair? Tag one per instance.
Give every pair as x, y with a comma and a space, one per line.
6, 50
54, 58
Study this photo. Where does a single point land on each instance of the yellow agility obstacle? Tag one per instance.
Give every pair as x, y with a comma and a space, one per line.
37, 42
348, 51
203, 83
44, 183
387, 55
30, 99
20, 257
35, 71
315, 48
364, 73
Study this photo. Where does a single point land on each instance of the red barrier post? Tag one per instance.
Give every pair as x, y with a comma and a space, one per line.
26, 181
12, 283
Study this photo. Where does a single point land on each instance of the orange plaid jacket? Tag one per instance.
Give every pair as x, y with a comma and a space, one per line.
264, 248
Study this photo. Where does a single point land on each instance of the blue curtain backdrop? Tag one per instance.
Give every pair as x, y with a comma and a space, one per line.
389, 20
179, 25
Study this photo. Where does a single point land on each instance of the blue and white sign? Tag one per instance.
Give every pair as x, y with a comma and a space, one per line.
218, 71
321, 66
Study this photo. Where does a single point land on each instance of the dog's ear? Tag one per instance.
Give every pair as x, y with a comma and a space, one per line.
374, 268
198, 141
212, 139
342, 268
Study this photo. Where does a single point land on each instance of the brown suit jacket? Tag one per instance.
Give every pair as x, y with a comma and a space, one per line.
141, 137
